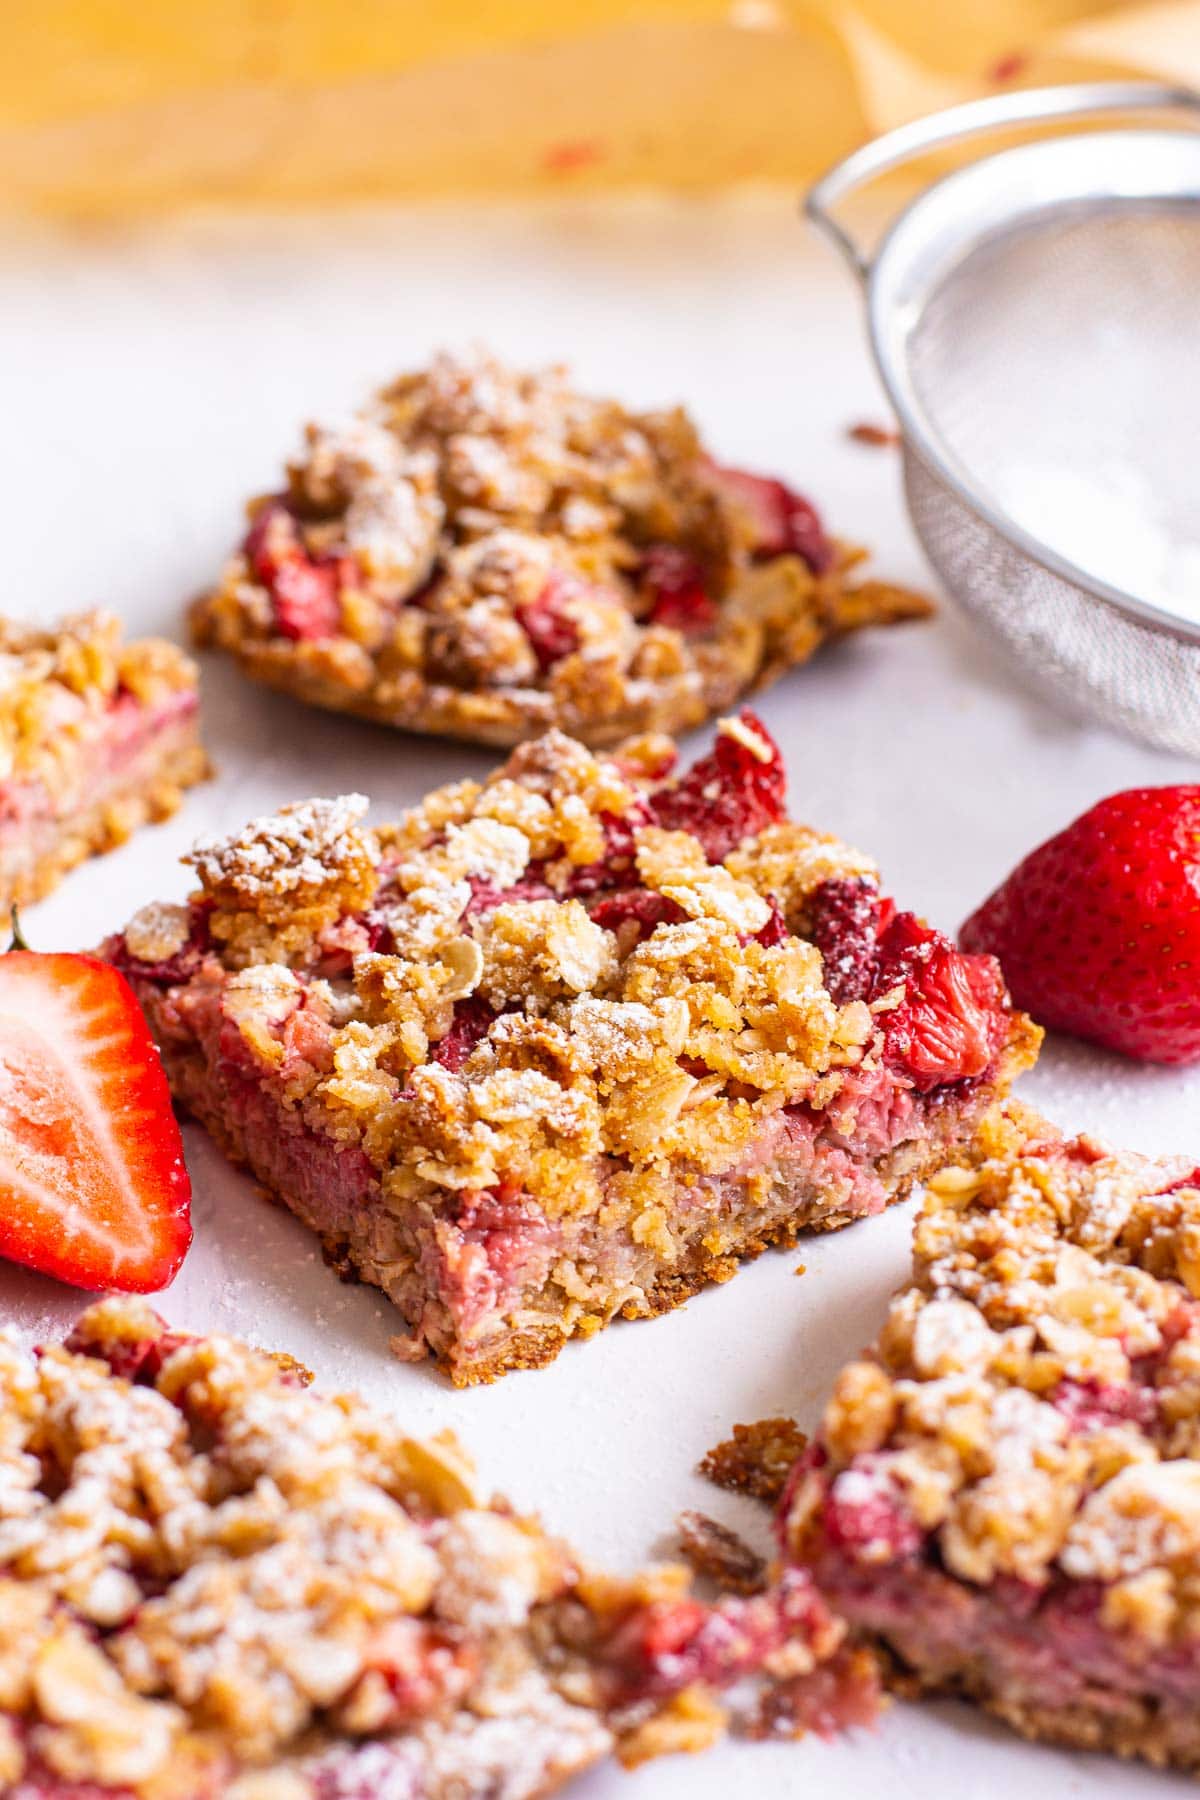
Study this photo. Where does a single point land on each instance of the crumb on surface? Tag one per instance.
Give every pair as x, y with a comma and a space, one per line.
757, 1459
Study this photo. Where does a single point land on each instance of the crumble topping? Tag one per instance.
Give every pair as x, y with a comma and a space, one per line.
488, 551
303, 845
1033, 1401
248, 1594
158, 931
214, 1581
55, 683
589, 1042
530, 983
282, 877
792, 861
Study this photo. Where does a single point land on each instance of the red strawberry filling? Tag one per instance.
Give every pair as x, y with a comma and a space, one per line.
1097, 1405
639, 906
847, 916
472, 1018
423, 1670
775, 931
550, 629
305, 590
944, 1028
729, 795
486, 896
506, 1225
784, 522
178, 968
618, 864
863, 1517
952, 1019
138, 1359
672, 1644
500, 1242
841, 1694
678, 593
305, 597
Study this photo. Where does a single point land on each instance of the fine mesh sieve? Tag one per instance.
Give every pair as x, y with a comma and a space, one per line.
1035, 318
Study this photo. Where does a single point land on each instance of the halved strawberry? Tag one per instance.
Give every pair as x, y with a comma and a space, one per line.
93, 1188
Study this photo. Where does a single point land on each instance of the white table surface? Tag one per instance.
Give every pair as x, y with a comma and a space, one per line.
154, 378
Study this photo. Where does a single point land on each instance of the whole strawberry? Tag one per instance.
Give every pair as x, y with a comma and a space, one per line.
1098, 930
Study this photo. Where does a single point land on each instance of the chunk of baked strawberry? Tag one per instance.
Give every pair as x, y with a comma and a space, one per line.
866, 1516
422, 1670
486, 896
636, 906
1094, 1405
783, 522
181, 965
550, 629
617, 867
93, 1187
846, 921
733, 793
670, 1644
304, 590
469, 1026
273, 537
775, 931
678, 593
304, 595
942, 1030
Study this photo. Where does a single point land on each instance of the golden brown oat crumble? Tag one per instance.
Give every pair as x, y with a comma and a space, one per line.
756, 1017
477, 490
218, 1583
757, 1459
1054, 1268
157, 931
282, 878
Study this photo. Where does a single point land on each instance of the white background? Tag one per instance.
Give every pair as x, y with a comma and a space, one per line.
150, 382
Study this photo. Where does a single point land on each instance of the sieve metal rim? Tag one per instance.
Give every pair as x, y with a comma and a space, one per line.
1007, 190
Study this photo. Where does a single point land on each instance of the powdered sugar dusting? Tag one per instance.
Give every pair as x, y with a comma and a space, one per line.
298, 846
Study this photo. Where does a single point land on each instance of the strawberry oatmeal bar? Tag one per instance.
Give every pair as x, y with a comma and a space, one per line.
96, 737
487, 553
214, 1583
1006, 1492
566, 1044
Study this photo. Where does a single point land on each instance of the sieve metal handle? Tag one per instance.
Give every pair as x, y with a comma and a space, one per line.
996, 112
